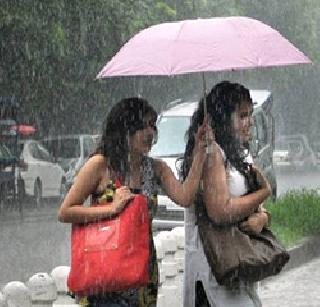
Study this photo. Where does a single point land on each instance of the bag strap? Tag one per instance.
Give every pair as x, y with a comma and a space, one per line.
200, 208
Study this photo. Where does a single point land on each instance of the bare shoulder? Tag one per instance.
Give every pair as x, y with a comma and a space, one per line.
98, 159
95, 165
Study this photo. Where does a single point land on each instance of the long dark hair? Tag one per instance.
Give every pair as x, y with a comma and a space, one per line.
222, 102
123, 120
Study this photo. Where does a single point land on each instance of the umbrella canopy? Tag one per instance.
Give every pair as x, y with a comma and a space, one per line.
200, 45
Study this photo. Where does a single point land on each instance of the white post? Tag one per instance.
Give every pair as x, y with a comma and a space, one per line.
160, 255
2, 301
43, 290
60, 275
169, 267
16, 294
179, 256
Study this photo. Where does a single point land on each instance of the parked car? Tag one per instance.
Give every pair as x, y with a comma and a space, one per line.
7, 177
6, 157
172, 125
300, 154
71, 152
316, 150
281, 158
41, 176
9, 109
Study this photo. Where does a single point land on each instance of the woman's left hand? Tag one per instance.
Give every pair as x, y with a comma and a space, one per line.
255, 222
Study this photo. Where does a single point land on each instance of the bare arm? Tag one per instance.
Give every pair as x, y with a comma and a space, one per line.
184, 193
72, 209
221, 207
181, 193
256, 221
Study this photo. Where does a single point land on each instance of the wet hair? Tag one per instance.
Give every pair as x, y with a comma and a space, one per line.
222, 102
123, 120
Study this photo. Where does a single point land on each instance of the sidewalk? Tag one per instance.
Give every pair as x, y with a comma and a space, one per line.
298, 287
308, 249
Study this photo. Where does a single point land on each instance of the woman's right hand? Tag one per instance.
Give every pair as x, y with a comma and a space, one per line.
203, 138
255, 222
121, 197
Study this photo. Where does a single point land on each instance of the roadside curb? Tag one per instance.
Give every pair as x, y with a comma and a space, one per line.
308, 249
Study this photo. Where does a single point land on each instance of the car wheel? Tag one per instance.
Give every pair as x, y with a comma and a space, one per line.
2, 197
38, 194
274, 194
63, 189
21, 190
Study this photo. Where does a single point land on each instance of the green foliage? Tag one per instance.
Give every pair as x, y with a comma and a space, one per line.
51, 51
295, 215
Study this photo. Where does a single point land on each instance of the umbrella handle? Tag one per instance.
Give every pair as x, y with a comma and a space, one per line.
209, 147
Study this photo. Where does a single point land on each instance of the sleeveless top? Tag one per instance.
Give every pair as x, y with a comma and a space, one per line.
197, 267
146, 296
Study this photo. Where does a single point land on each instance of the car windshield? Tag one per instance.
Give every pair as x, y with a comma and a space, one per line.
171, 136
5, 152
64, 148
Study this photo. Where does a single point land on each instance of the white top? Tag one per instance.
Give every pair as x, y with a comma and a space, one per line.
197, 267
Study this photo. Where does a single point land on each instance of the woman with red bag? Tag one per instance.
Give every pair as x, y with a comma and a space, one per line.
127, 138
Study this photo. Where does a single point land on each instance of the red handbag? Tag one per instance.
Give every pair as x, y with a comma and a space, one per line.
113, 254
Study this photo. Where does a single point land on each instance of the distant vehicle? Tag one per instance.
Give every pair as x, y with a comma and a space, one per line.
281, 158
9, 109
71, 152
316, 150
300, 154
172, 125
7, 182
42, 177
6, 157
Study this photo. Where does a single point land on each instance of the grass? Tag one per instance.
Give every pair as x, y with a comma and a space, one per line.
295, 215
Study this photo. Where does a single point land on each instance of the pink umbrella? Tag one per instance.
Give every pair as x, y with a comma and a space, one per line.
200, 45
215, 44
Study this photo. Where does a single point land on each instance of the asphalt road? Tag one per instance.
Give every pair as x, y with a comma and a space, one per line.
298, 287
36, 243
289, 180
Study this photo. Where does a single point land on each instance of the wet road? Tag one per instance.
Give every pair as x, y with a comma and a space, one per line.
288, 180
38, 243
299, 287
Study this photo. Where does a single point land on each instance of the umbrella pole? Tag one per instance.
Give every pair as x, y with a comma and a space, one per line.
209, 147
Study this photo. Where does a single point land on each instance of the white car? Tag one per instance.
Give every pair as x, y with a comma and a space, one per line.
71, 152
300, 156
41, 176
172, 125
281, 158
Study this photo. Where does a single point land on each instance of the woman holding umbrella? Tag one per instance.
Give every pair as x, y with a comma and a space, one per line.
127, 138
229, 193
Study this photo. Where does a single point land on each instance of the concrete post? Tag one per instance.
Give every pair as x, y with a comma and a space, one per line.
160, 255
16, 294
169, 267
60, 275
2, 301
43, 290
179, 234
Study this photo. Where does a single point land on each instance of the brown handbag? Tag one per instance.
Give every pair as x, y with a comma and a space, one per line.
234, 255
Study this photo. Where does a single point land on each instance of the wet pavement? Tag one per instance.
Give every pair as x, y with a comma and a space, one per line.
298, 287
35, 243
292, 180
